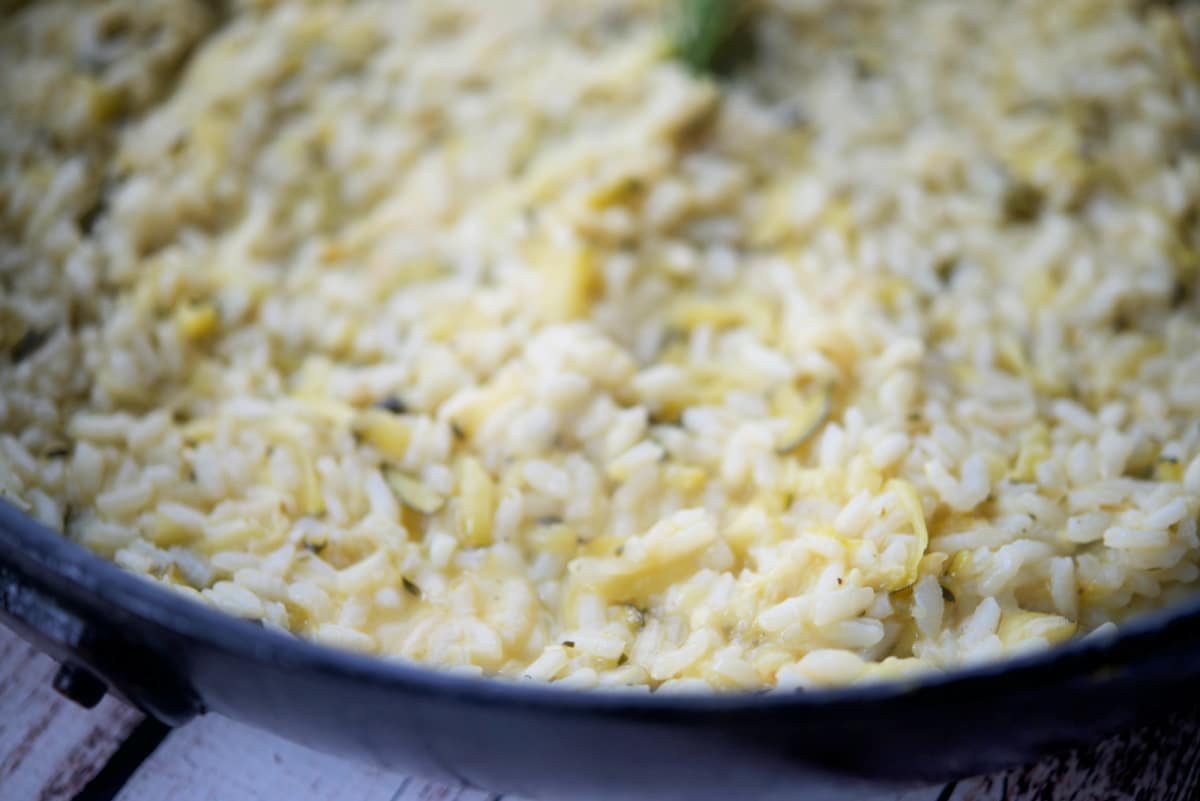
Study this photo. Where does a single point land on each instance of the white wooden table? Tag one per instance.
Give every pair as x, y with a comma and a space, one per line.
52, 750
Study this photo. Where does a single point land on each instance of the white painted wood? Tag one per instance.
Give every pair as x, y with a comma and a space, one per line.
417, 790
216, 759
49, 747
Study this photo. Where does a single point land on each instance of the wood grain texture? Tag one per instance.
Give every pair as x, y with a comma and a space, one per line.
1159, 762
49, 747
418, 790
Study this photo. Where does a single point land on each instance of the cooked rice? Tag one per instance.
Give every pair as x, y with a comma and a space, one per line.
487, 336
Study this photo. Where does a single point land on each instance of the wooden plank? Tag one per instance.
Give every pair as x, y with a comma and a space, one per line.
216, 759
419, 790
1158, 762
50, 747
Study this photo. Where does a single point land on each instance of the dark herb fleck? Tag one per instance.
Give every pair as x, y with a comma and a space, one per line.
1022, 202
28, 345
1179, 294
393, 404
839, 581
864, 70
111, 28
568, 643
89, 217
411, 587
945, 269
622, 660
57, 452
657, 419
315, 547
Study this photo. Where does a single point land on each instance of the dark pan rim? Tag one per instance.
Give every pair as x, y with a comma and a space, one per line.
1096, 658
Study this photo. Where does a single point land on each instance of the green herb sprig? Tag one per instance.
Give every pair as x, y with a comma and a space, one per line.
711, 36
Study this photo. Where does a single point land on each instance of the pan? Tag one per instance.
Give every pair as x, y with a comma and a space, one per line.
113, 631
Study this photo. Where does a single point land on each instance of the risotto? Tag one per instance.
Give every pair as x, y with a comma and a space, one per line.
493, 337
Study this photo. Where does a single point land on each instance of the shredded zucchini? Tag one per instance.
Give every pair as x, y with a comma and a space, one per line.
912, 504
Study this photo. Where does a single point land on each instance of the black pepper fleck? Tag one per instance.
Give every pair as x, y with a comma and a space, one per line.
88, 219
393, 404
28, 345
